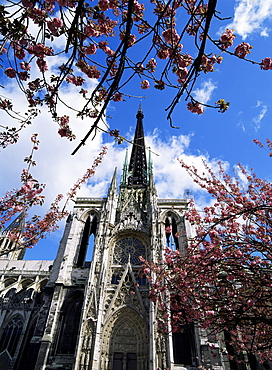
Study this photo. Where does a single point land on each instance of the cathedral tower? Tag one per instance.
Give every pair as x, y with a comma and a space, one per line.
117, 328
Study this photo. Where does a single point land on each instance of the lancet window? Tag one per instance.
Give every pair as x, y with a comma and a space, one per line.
11, 335
89, 230
183, 345
171, 233
69, 326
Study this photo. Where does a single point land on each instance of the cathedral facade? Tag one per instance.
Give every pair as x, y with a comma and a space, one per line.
72, 313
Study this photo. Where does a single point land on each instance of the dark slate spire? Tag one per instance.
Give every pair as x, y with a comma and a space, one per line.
137, 165
17, 225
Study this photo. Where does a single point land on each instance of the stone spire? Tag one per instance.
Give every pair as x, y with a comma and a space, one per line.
12, 249
138, 165
125, 171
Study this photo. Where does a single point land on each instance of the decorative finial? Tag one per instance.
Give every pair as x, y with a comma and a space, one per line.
140, 111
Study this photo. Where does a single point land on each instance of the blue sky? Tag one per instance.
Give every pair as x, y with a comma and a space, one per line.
213, 136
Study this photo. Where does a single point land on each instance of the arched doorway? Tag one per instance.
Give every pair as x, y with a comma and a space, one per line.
126, 342
124, 348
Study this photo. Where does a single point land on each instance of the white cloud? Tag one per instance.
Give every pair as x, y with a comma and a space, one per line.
59, 170
242, 177
55, 165
258, 119
264, 32
171, 179
241, 125
203, 94
250, 15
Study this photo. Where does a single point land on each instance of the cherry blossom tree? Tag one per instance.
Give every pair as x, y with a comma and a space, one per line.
112, 43
223, 281
30, 229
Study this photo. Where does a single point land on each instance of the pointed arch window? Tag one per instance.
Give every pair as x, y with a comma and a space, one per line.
11, 335
89, 230
171, 233
69, 326
183, 345
9, 294
29, 351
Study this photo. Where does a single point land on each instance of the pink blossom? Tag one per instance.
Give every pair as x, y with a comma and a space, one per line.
41, 63
182, 74
91, 31
64, 131
151, 65
195, 108
171, 36
27, 3
64, 120
138, 9
90, 71
25, 66
242, 50
163, 53
23, 76
145, 84
19, 53
40, 50
210, 313
10, 72
259, 143
226, 39
38, 15
184, 61
159, 85
54, 25
77, 81
103, 5
131, 39
105, 48
66, 3
139, 68
266, 64
117, 97
91, 49
4, 104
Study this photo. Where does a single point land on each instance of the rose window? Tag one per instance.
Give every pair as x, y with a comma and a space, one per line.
128, 248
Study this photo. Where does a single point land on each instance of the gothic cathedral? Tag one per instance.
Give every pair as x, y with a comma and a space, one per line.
81, 314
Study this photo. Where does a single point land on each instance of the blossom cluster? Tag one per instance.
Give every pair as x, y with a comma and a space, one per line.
98, 39
223, 279
65, 130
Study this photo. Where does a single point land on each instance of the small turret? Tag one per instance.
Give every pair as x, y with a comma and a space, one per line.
125, 171
113, 185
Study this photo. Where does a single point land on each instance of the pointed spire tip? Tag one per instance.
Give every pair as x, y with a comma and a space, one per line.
140, 113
